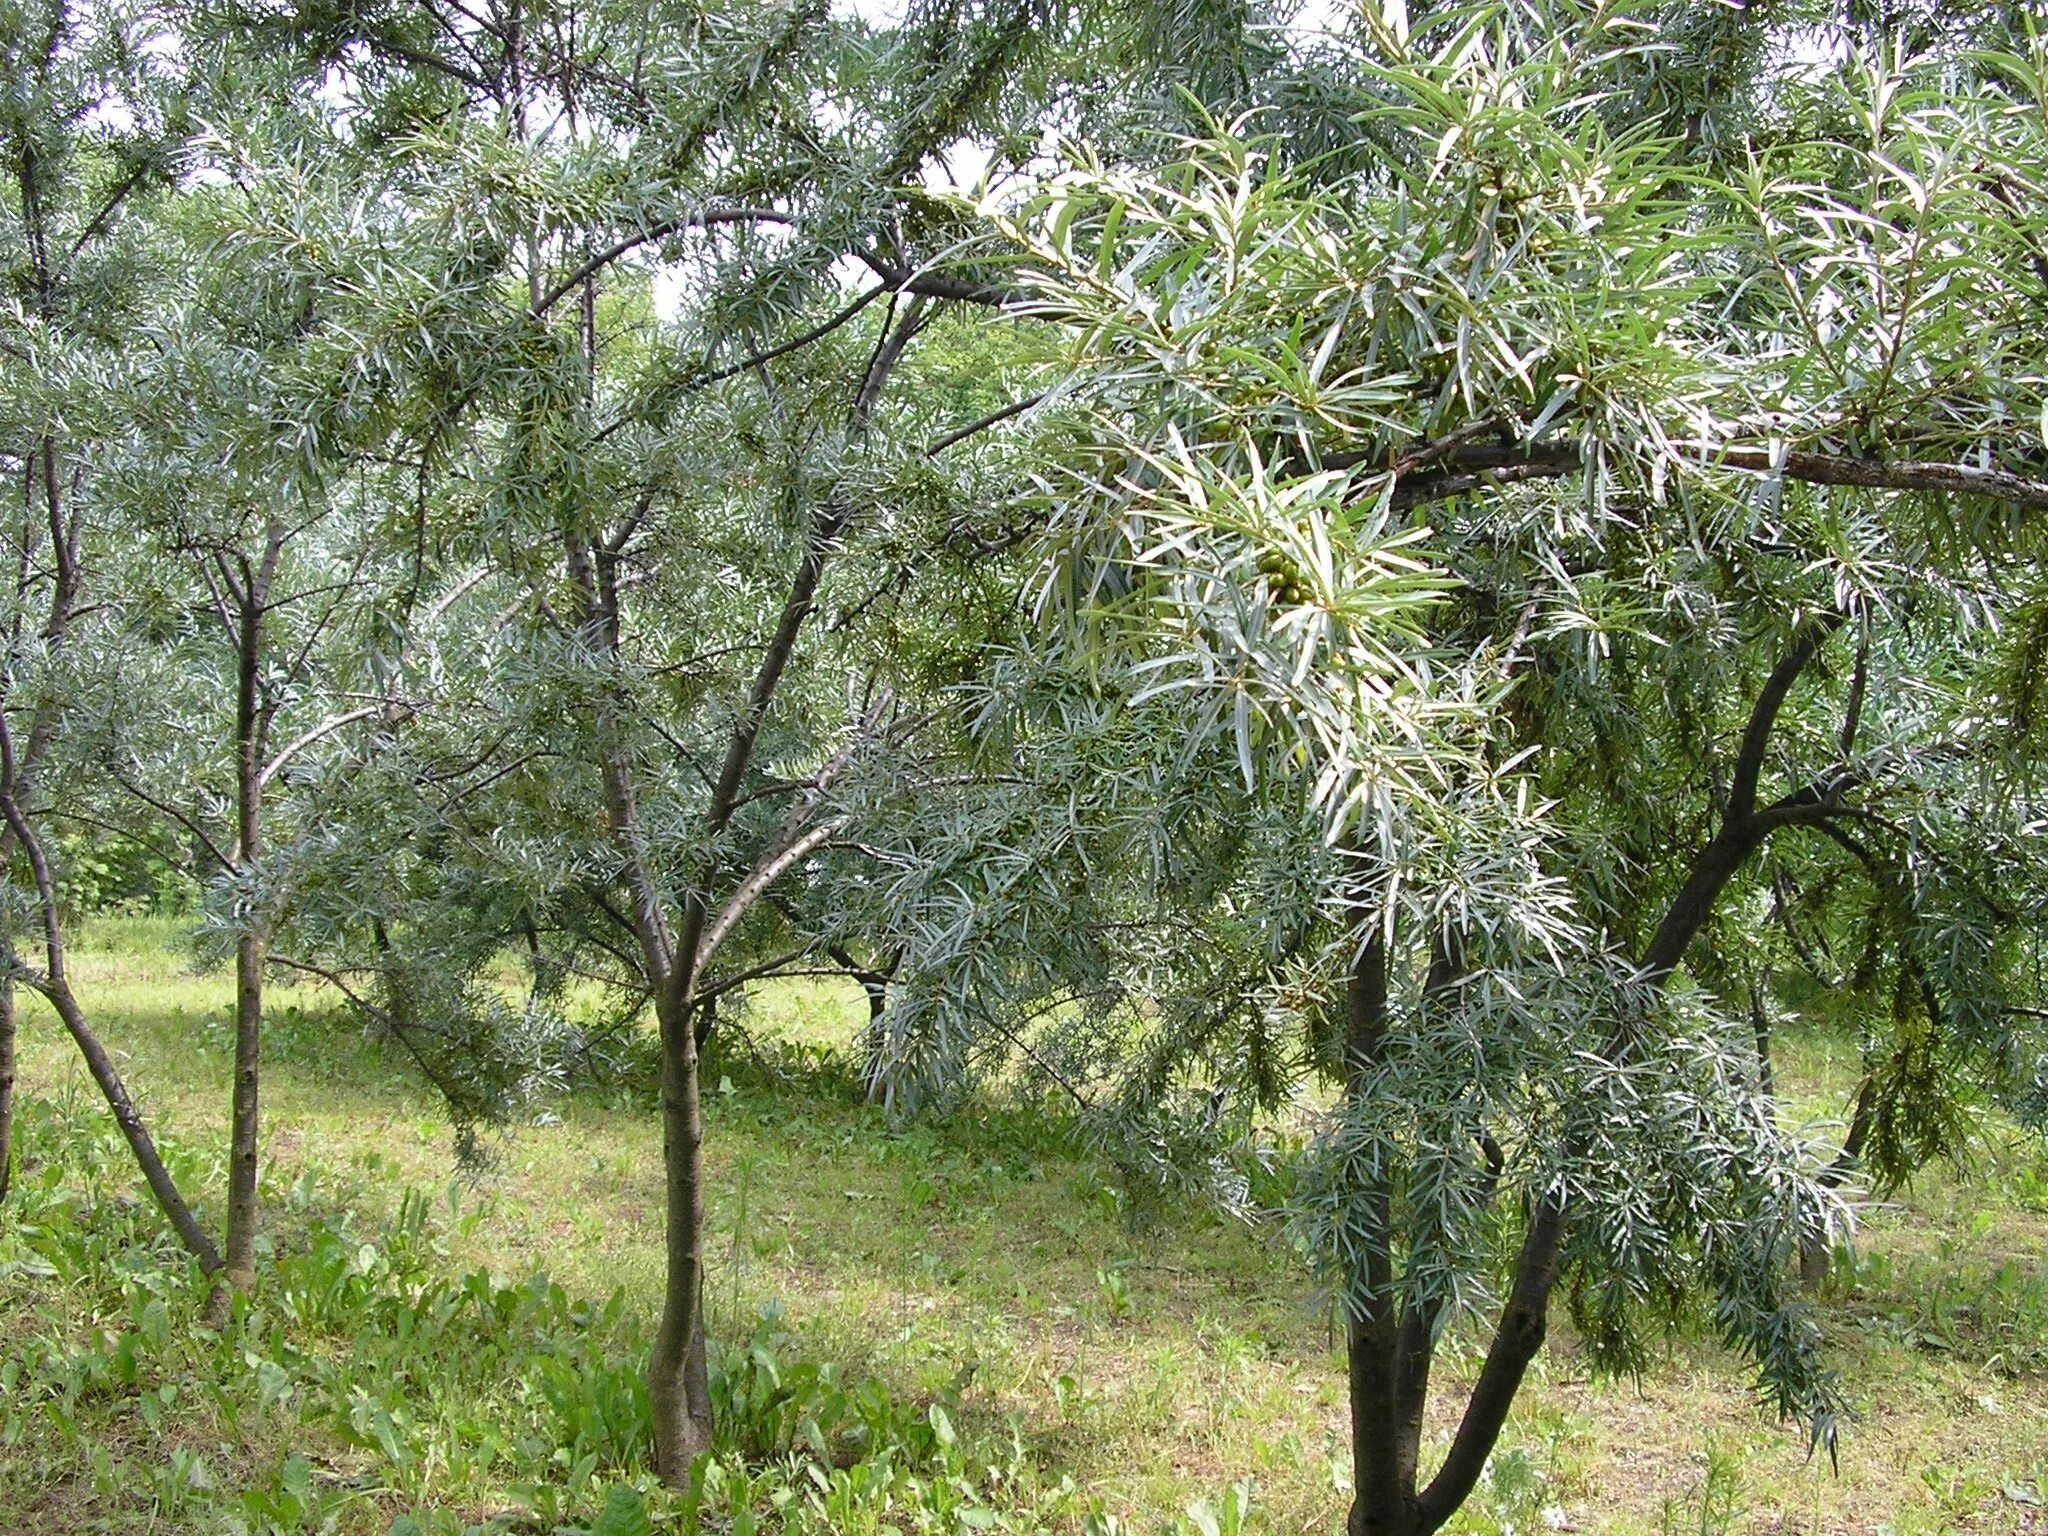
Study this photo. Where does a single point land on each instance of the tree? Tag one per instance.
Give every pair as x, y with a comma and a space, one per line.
92, 119
1460, 567
659, 510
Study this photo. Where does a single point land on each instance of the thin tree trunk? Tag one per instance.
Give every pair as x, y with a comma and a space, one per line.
1814, 1251
133, 1129
251, 722
244, 1140
678, 1378
678, 1381
6, 1086
57, 989
63, 530
1760, 1026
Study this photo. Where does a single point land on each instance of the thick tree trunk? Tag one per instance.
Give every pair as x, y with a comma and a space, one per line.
678, 1381
1383, 1466
7, 1030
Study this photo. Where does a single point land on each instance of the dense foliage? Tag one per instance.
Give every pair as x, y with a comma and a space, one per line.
1412, 587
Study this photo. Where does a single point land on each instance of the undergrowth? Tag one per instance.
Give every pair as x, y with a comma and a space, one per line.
983, 1330
370, 1385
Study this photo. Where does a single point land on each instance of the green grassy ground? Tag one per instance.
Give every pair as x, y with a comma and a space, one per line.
971, 1333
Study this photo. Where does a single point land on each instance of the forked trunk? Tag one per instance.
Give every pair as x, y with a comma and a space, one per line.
243, 1139
1388, 1356
678, 1380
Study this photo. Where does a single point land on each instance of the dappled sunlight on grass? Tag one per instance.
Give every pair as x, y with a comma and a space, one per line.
984, 1264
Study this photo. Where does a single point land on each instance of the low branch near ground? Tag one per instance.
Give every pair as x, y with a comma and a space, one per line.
397, 1028
55, 987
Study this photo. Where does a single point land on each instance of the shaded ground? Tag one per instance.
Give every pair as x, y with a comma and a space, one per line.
1154, 1366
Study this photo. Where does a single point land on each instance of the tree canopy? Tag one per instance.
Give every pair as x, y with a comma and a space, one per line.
1392, 592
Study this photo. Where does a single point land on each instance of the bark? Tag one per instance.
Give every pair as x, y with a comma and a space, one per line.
251, 722
6, 1086
678, 1379
244, 1141
63, 536
678, 1382
678, 1386
1524, 1323
673, 956
54, 986
1383, 1464
1473, 467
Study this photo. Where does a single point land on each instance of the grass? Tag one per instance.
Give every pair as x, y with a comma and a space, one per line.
923, 1327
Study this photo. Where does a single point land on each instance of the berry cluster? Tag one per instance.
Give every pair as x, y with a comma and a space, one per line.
1287, 582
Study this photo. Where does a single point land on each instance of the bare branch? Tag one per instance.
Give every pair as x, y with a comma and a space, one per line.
982, 424
325, 728
764, 875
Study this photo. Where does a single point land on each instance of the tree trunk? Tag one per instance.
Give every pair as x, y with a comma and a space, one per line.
678, 1381
243, 1139
57, 989
1383, 1455
6, 1085
250, 723
1524, 1320
1815, 1252
97, 1061
1760, 1026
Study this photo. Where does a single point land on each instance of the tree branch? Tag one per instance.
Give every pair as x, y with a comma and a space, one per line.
1763, 716
960, 435
325, 728
703, 218
938, 285
764, 875
1481, 466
